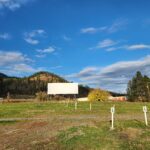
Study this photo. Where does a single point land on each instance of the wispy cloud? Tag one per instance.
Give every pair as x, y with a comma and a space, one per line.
119, 24
138, 47
88, 71
105, 44
116, 26
115, 76
129, 47
111, 45
33, 36
43, 52
93, 30
13, 4
40, 55
5, 36
47, 50
66, 38
113, 48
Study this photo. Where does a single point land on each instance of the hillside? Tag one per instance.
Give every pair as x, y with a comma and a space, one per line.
28, 86
46, 77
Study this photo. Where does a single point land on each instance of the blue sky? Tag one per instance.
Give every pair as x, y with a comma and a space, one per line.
100, 43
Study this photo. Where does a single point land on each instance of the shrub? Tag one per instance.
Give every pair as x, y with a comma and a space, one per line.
98, 95
41, 96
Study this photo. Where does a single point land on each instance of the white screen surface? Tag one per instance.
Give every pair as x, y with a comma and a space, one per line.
62, 88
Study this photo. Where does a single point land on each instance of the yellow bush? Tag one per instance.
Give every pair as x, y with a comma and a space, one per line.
98, 95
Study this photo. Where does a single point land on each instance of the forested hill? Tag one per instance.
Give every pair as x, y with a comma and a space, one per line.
46, 77
29, 86
3, 75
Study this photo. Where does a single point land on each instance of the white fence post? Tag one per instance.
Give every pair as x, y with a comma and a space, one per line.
145, 115
112, 117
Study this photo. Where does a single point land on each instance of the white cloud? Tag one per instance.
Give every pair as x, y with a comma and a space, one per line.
106, 43
138, 46
47, 50
13, 4
15, 63
33, 36
115, 76
40, 55
129, 47
43, 52
112, 49
5, 36
31, 41
116, 26
127, 66
89, 30
88, 71
7, 58
24, 68
19, 69
93, 29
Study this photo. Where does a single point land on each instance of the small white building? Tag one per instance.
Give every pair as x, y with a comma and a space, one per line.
83, 99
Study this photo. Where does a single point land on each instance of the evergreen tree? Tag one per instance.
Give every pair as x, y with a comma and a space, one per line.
138, 88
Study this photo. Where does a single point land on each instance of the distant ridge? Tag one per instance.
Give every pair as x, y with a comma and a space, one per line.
42, 76
2, 75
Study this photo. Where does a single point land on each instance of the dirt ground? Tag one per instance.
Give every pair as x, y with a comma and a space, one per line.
37, 133
30, 134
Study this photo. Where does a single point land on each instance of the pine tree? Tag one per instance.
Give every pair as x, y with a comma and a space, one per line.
138, 88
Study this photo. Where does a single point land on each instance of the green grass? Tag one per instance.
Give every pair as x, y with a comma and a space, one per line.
127, 135
31, 109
